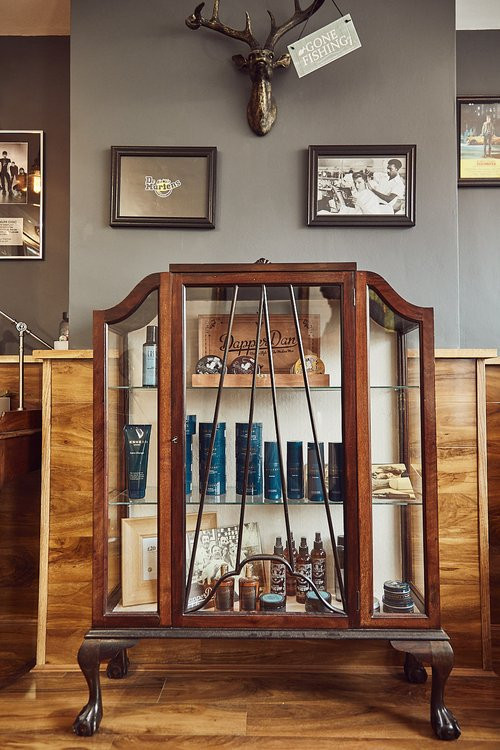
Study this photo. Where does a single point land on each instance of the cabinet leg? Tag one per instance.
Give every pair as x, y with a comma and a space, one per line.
90, 655
439, 654
414, 670
118, 665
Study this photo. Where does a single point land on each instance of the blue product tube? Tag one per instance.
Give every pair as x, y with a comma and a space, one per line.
190, 431
294, 470
254, 483
335, 471
272, 473
217, 473
136, 458
314, 488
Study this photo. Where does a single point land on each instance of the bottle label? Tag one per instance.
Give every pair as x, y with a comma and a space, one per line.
306, 570
278, 578
319, 573
248, 598
149, 366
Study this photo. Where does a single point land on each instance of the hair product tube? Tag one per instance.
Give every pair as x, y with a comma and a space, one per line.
136, 454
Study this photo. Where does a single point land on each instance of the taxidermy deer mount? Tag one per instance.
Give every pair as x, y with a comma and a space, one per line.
260, 63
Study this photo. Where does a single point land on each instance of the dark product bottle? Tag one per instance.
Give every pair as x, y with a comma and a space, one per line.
304, 566
150, 358
335, 471
272, 473
294, 470
340, 550
190, 431
224, 596
254, 482
217, 474
249, 590
314, 472
291, 582
278, 570
318, 557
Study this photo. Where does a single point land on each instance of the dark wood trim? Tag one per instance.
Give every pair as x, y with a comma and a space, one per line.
266, 268
164, 450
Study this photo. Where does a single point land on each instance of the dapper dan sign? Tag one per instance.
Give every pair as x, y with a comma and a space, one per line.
324, 46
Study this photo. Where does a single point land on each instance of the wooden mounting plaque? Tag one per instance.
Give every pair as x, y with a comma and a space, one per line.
263, 381
212, 332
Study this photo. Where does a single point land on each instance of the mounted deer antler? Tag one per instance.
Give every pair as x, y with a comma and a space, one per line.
260, 63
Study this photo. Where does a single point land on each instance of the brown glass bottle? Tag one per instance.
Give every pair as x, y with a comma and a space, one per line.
278, 571
318, 557
249, 590
304, 566
291, 582
224, 596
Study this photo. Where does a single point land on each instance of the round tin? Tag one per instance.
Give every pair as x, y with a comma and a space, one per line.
242, 366
313, 364
211, 364
403, 609
272, 603
313, 604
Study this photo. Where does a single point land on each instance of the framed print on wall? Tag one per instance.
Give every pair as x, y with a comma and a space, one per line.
478, 141
21, 195
163, 186
361, 186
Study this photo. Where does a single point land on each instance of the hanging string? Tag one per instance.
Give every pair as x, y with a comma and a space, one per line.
307, 21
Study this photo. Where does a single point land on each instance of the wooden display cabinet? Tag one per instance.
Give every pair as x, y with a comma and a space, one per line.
359, 426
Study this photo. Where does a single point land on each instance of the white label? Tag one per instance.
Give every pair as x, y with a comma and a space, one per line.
149, 559
11, 231
324, 46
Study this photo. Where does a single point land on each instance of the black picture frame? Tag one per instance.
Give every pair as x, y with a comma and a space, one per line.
476, 167
163, 186
21, 195
334, 200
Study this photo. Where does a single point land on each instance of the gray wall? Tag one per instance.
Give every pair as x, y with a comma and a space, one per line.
140, 77
478, 74
35, 96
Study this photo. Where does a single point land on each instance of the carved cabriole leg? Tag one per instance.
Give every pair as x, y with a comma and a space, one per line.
414, 671
90, 655
439, 655
118, 665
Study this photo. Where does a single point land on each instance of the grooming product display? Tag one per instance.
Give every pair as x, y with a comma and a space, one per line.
313, 364
150, 358
217, 473
278, 570
397, 598
249, 590
224, 596
254, 481
318, 557
190, 431
291, 556
340, 550
272, 603
136, 458
242, 366
335, 471
211, 364
304, 566
314, 472
294, 470
272, 473
315, 604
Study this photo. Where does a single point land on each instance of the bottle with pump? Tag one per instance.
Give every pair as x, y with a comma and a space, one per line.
291, 582
224, 596
318, 557
150, 358
278, 570
304, 566
249, 590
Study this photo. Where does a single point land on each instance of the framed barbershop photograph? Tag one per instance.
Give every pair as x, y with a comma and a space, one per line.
361, 186
163, 186
139, 560
21, 195
478, 141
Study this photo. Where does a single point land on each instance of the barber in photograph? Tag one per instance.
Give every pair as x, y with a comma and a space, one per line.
4, 173
394, 189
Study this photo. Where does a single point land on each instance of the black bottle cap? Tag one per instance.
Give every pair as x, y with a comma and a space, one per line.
318, 544
278, 546
340, 539
151, 334
303, 545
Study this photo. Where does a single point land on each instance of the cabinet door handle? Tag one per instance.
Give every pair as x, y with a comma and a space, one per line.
175, 439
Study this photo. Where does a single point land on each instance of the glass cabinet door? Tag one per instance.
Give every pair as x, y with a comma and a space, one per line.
264, 460
131, 457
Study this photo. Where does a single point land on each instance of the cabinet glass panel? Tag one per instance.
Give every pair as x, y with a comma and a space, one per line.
240, 513
396, 457
131, 434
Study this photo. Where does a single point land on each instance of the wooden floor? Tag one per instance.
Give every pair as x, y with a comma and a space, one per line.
153, 709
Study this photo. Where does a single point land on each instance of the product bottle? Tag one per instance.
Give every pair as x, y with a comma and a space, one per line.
150, 358
291, 582
340, 550
64, 327
304, 566
224, 596
249, 590
314, 472
318, 557
294, 470
272, 473
278, 570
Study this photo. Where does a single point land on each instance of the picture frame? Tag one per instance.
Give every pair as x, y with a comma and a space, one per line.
360, 186
139, 560
478, 141
163, 186
21, 195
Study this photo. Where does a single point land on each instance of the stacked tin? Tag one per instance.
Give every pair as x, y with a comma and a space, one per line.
397, 597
